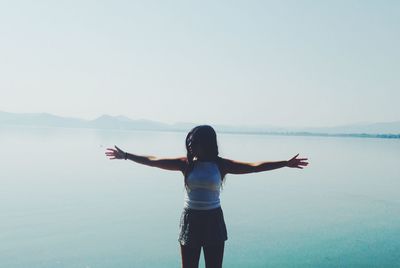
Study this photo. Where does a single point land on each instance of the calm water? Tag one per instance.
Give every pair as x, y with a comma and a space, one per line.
64, 204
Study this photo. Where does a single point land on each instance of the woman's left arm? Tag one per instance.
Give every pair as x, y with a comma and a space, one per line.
292, 163
237, 167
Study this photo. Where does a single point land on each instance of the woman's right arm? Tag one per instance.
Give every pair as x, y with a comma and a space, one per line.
178, 163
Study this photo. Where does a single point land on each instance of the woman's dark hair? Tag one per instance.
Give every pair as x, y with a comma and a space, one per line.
205, 137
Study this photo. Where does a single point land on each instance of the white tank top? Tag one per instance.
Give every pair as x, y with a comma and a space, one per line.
204, 185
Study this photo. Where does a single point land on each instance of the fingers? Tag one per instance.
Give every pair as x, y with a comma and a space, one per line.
303, 163
113, 152
298, 165
294, 156
299, 158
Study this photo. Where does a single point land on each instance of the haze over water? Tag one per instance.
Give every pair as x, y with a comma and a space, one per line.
64, 204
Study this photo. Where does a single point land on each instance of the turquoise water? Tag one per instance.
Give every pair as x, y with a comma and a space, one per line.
64, 204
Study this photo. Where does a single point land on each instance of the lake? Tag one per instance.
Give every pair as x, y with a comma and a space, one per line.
63, 203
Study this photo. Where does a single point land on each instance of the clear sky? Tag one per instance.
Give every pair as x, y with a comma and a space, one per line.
286, 63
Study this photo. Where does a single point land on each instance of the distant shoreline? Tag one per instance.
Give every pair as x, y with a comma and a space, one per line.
274, 133
354, 135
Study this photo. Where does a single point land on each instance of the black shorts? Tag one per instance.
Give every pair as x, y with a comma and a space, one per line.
202, 227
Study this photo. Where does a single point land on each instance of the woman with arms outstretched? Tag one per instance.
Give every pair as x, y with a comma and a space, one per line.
202, 222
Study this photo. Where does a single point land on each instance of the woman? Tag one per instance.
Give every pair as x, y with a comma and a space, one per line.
202, 223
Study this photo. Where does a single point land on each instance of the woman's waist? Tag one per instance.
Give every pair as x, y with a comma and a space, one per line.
202, 209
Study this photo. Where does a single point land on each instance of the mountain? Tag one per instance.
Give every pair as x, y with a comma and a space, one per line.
380, 129
122, 122
39, 119
102, 122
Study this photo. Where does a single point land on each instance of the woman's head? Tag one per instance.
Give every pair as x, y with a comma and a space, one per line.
201, 143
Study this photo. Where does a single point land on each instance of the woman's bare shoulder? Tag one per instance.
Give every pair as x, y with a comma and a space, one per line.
235, 166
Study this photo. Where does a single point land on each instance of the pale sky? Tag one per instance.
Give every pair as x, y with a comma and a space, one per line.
285, 63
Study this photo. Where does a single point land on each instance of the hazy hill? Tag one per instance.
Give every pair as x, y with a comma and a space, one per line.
125, 123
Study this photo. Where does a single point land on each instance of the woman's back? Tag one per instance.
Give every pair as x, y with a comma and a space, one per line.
203, 186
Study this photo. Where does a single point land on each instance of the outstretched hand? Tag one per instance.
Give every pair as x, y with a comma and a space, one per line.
116, 153
297, 162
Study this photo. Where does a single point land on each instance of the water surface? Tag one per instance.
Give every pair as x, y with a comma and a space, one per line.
64, 204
